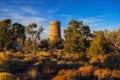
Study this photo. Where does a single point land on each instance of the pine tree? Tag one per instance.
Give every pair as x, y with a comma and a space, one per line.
99, 45
76, 37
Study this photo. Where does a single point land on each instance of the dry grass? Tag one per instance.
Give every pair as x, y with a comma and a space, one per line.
97, 59
3, 58
115, 73
49, 67
107, 73
7, 76
101, 73
61, 62
32, 74
45, 54
66, 75
64, 64
86, 71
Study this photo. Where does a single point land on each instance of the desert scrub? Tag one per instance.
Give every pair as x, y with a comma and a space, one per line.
66, 75
3, 57
102, 73
86, 71
48, 66
4, 61
107, 74
82, 56
115, 73
7, 76
32, 74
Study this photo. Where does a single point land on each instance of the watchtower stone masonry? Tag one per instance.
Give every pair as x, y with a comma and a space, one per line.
55, 31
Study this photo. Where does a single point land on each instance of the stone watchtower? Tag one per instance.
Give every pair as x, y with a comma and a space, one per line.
55, 31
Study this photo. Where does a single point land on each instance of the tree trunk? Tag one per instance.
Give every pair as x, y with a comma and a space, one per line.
34, 46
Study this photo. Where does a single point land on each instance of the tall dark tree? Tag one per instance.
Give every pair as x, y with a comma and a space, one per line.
18, 31
10, 33
6, 39
76, 37
44, 44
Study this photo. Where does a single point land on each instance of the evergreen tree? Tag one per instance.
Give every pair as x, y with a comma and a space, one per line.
76, 37
99, 45
6, 39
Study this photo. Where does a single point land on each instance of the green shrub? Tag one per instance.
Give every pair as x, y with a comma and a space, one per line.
82, 56
99, 46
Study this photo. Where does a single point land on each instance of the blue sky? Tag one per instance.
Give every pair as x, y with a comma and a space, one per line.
98, 14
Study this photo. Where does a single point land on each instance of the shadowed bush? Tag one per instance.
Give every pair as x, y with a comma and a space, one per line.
112, 62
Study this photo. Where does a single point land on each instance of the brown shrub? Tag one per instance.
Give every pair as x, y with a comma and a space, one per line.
101, 73
66, 75
32, 74
86, 71
48, 66
97, 59
115, 73
107, 74
7, 76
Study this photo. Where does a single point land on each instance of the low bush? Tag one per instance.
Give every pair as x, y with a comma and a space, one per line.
82, 56
86, 71
112, 61
48, 66
107, 74
32, 74
66, 75
7, 76
102, 73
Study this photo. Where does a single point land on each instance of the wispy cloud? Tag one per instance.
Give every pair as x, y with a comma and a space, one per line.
26, 20
94, 22
65, 15
53, 10
29, 10
29, 1
112, 27
91, 20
